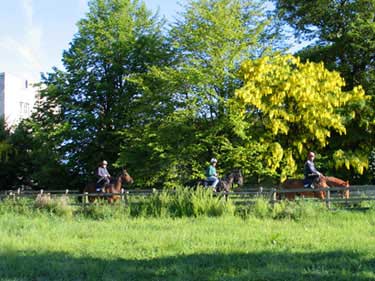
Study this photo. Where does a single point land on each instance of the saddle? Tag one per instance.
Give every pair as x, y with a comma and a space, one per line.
99, 186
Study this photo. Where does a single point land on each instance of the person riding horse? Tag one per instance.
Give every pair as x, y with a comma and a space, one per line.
310, 172
103, 176
211, 174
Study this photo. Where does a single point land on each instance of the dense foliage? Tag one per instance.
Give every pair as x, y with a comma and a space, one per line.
162, 100
342, 35
292, 108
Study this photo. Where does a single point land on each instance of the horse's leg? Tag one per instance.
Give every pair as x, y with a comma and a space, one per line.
321, 195
347, 194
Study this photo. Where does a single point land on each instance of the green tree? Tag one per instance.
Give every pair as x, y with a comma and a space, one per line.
292, 108
29, 163
343, 34
85, 107
210, 39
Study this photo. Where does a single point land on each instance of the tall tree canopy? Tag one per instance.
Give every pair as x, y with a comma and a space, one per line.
210, 38
84, 107
344, 39
292, 108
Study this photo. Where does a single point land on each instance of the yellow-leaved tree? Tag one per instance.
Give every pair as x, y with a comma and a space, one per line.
292, 107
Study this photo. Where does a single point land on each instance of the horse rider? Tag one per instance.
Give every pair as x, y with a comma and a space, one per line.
310, 172
211, 173
103, 175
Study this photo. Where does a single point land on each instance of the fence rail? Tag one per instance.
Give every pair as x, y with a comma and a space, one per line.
358, 193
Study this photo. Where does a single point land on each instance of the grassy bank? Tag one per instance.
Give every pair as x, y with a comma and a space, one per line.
334, 246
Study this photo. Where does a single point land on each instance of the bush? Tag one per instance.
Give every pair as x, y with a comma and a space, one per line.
297, 210
181, 202
205, 203
261, 208
20, 206
99, 211
58, 206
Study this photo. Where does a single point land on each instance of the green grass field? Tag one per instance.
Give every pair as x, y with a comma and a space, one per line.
335, 246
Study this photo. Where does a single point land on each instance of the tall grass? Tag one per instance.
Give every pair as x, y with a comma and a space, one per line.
334, 246
177, 203
181, 202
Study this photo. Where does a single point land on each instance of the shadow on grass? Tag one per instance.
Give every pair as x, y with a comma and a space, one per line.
233, 266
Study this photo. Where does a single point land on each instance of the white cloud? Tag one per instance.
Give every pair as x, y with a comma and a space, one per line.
33, 31
25, 50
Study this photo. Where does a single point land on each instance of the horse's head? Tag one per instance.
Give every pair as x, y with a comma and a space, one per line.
336, 182
237, 177
126, 177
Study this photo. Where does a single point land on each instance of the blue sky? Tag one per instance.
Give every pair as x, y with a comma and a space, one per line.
34, 33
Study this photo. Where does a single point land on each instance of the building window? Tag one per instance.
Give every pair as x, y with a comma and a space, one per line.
24, 108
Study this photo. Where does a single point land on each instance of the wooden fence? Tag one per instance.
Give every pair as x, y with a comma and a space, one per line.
243, 196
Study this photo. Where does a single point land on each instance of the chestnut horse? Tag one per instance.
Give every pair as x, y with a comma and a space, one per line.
113, 187
298, 184
336, 182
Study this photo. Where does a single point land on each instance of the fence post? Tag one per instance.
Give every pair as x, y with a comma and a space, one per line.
260, 191
85, 199
11, 195
122, 194
274, 196
328, 198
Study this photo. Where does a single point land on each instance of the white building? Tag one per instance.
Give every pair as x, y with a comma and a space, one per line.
17, 98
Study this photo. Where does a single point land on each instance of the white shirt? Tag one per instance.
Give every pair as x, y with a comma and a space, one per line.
103, 172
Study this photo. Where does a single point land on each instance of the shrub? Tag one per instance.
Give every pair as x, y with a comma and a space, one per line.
181, 202
261, 208
20, 206
297, 210
205, 203
58, 206
105, 211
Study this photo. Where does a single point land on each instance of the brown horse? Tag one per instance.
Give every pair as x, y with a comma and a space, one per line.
298, 184
113, 187
336, 182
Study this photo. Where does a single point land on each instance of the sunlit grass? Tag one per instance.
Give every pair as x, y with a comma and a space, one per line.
335, 246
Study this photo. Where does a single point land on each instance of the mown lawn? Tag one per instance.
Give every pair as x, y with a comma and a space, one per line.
337, 246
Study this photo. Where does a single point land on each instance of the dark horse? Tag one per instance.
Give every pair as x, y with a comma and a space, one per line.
298, 184
113, 187
227, 182
224, 184
336, 182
